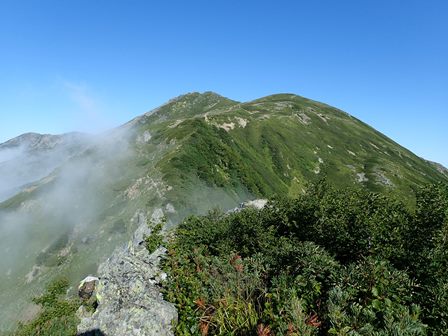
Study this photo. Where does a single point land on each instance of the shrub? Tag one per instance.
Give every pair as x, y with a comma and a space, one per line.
342, 262
373, 298
155, 238
58, 314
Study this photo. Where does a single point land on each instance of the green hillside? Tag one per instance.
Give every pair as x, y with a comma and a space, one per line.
278, 144
197, 152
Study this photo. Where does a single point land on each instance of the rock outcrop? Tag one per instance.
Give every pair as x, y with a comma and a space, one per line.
129, 299
256, 204
87, 287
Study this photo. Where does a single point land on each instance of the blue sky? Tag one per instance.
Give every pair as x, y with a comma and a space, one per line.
89, 65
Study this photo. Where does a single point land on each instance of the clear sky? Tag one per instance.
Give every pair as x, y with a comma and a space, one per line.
88, 65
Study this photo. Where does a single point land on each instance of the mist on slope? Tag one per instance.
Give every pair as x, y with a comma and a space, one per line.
74, 200
11, 179
82, 205
66, 212
30, 157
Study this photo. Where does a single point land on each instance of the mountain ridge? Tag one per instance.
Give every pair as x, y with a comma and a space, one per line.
32, 140
309, 123
196, 152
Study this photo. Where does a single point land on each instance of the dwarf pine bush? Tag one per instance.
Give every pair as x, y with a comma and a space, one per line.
339, 262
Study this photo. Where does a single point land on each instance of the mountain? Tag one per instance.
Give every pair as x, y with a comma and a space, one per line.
70, 200
30, 157
277, 144
440, 167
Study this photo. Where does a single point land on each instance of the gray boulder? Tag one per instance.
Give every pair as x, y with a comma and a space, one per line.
87, 287
128, 295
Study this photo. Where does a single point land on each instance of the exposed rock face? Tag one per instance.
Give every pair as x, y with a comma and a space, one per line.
439, 167
257, 204
129, 300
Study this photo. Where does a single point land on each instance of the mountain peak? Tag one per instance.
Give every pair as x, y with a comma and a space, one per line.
196, 94
33, 140
190, 105
200, 98
29, 140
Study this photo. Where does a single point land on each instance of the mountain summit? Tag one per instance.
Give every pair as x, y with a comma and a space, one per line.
191, 104
279, 143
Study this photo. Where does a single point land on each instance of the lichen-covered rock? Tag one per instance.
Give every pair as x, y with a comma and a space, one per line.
129, 300
87, 287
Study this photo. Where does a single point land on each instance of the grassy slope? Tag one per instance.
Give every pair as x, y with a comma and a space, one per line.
279, 143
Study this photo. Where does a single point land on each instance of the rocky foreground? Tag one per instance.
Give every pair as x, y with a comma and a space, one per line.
128, 293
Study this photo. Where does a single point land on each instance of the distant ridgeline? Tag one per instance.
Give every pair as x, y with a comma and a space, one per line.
68, 201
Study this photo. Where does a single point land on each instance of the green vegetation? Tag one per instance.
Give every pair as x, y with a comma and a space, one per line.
211, 155
332, 261
278, 144
155, 238
51, 256
57, 316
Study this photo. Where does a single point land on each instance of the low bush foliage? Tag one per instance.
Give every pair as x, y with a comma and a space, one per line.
155, 238
339, 262
57, 315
